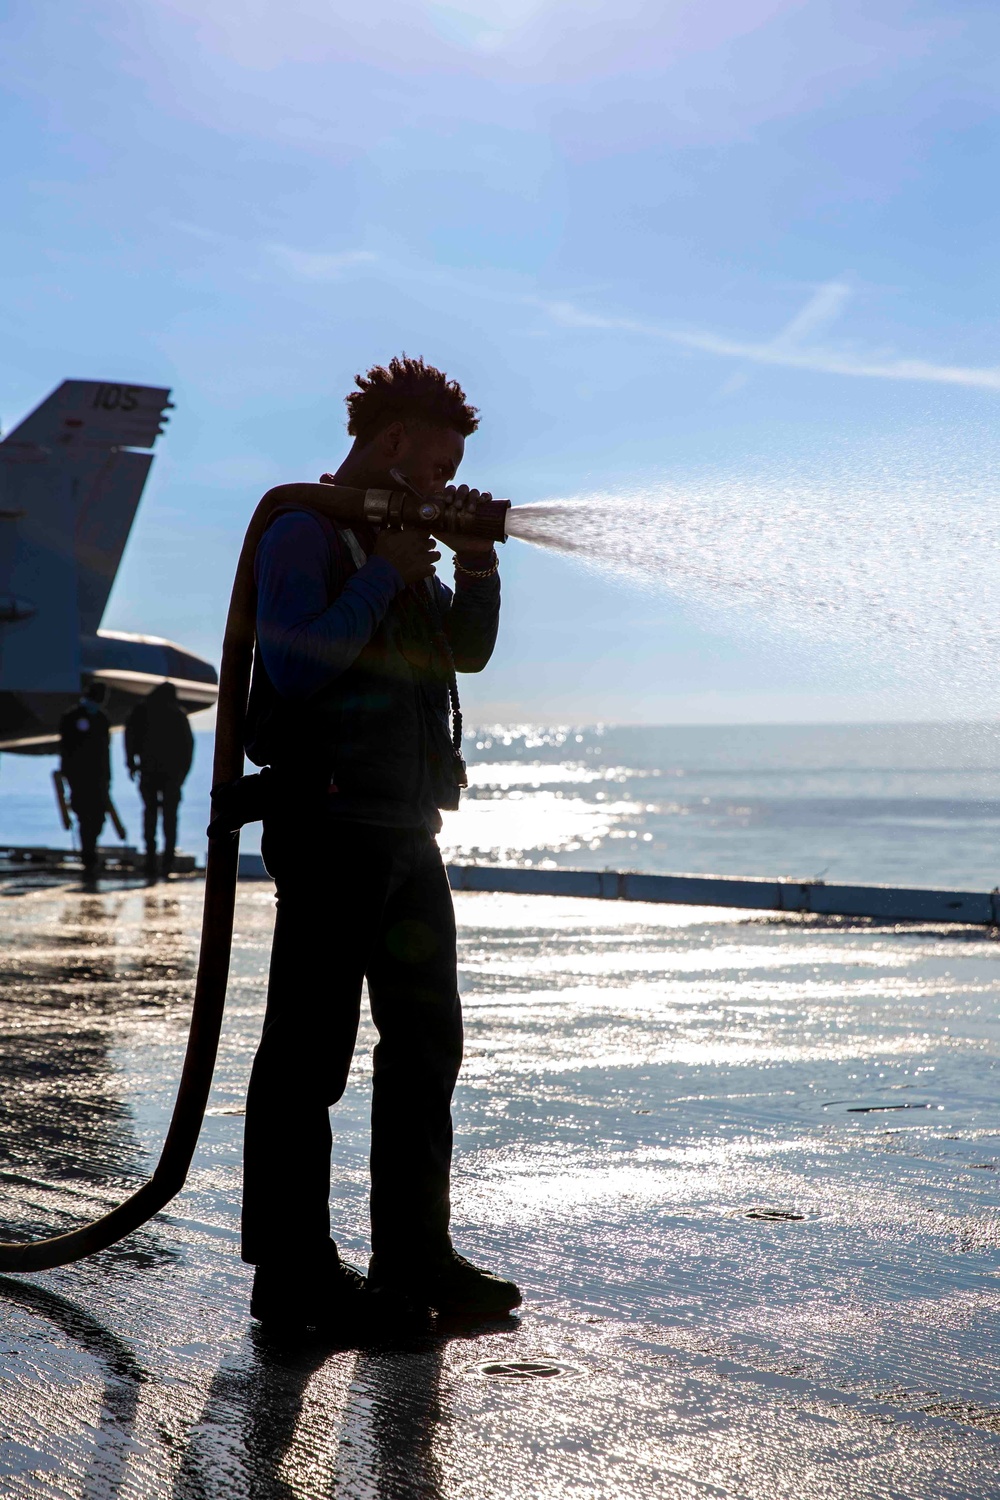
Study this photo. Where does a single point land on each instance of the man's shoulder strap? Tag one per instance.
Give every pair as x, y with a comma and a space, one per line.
339, 535
354, 547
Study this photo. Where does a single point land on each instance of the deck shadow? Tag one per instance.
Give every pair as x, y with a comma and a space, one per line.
123, 1380
256, 1439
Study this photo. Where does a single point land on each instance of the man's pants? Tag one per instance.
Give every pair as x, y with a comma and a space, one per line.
90, 804
160, 794
354, 901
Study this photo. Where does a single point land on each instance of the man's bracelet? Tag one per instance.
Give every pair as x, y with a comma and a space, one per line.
475, 572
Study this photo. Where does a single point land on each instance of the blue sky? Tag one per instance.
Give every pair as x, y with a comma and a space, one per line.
652, 240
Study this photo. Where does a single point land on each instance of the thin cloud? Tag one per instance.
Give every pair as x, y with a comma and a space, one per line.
826, 303
784, 351
319, 265
196, 231
827, 362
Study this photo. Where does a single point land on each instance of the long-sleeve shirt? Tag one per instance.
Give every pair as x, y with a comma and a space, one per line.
316, 612
306, 641
84, 747
158, 739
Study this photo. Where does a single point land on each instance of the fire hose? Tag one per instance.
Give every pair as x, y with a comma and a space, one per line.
347, 507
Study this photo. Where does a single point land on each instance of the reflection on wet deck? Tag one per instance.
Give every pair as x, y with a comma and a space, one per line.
749, 1270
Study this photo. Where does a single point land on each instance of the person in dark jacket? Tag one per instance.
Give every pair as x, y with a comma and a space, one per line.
159, 745
350, 706
85, 761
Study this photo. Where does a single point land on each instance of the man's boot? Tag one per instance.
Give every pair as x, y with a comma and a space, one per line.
295, 1293
150, 868
447, 1283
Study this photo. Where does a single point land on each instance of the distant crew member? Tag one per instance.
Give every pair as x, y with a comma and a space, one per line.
357, 641
159, 745
85, 751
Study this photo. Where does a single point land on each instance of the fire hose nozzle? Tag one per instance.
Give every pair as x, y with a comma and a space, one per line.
487, 519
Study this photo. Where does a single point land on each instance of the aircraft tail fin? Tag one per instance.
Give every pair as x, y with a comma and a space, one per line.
103, 523
70, 484
85, 413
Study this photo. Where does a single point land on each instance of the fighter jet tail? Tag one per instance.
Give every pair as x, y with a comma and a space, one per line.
70, 483
87, 413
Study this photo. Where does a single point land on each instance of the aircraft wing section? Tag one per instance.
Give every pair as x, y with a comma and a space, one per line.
107, 414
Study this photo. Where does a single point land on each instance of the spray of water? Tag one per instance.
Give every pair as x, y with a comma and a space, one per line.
901, 569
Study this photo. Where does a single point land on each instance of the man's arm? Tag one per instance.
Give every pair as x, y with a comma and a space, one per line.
189, 743
101, 725
65, 747
135, 726
305, 641
472, 615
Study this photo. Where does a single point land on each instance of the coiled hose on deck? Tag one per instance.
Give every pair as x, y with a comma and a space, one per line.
348, 506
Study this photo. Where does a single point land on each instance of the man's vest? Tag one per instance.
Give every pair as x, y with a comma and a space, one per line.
84, 738
378, 736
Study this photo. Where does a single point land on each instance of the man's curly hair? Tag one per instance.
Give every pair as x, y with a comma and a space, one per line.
407, 390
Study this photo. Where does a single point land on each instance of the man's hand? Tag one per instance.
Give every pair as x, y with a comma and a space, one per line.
411, 553
461, 499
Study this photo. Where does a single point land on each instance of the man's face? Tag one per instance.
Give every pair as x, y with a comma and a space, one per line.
428, 456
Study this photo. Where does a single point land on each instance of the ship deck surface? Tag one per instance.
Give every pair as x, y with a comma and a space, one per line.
745, 1170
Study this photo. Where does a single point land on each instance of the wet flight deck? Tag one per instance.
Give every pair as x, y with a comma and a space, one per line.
744, 1168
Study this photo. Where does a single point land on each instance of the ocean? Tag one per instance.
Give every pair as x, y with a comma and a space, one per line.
900, 804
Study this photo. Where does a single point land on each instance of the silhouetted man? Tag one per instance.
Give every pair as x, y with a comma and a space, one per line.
159, 745
357, 642
85, 761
